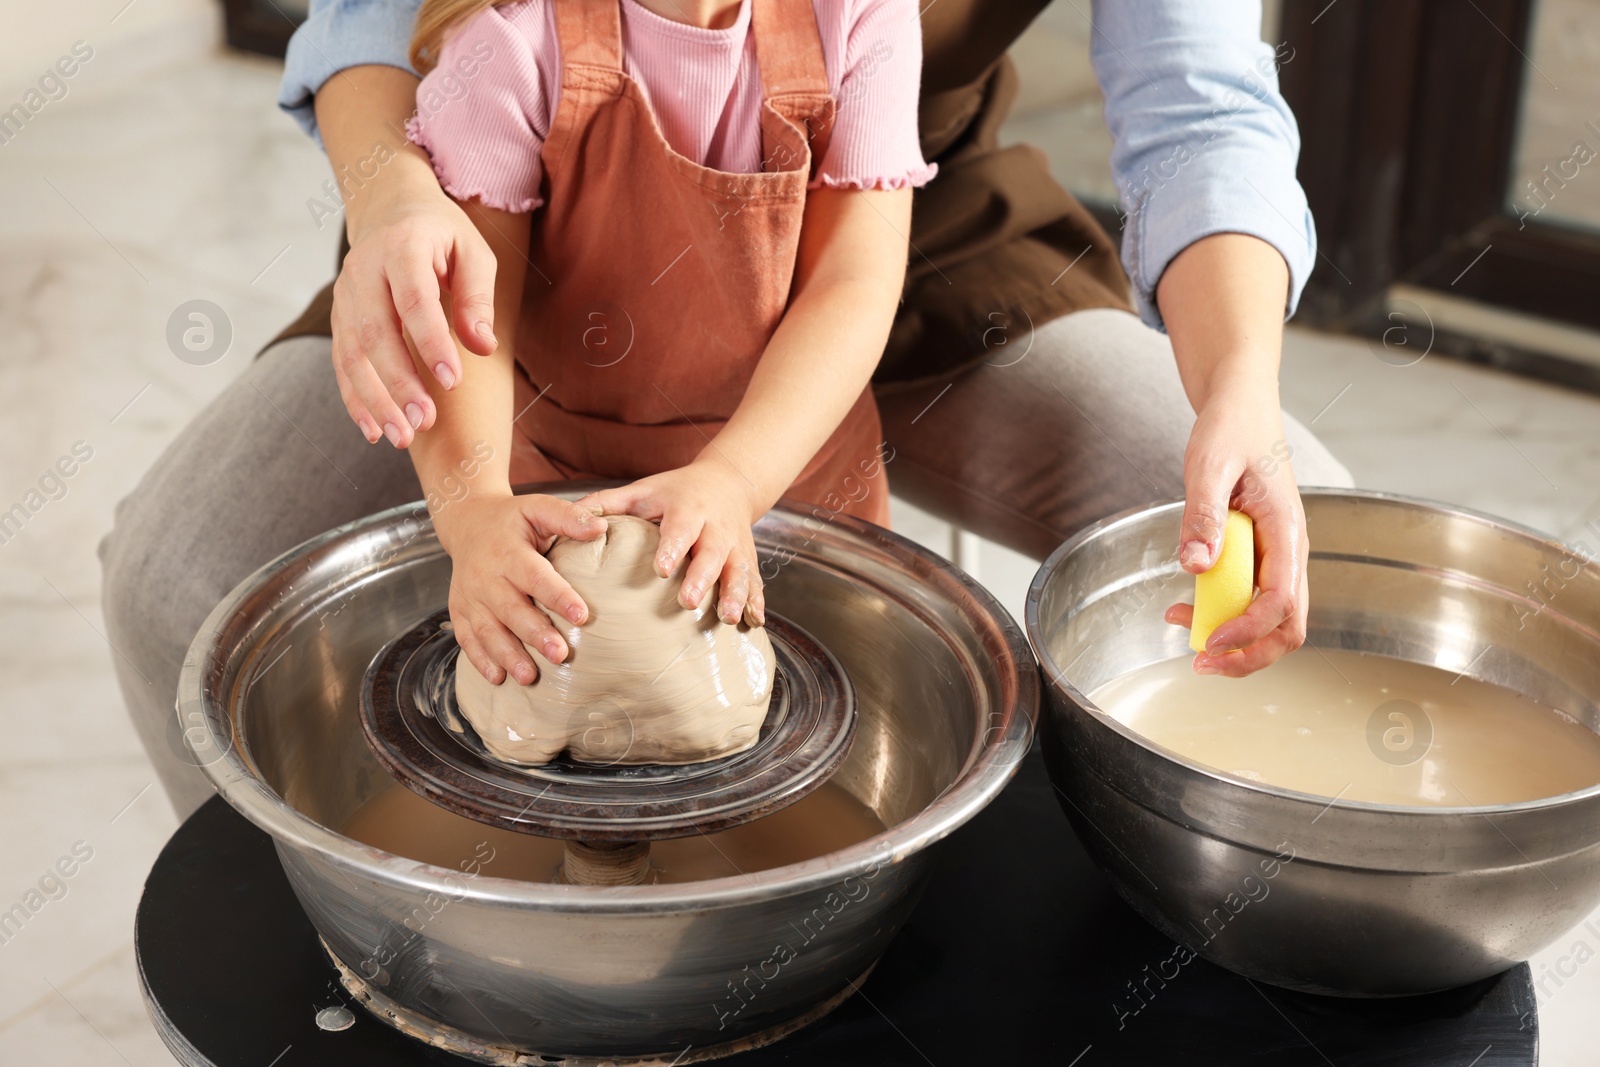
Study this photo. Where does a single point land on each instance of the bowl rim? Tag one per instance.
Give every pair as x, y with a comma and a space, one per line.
1056, 678
997, 748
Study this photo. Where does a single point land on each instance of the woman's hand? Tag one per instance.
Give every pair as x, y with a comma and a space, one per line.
1238, 456
497, 545
705, 511
414, 244
1223, 301
409, 245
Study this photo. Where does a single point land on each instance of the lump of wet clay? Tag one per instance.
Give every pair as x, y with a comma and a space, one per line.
645, 681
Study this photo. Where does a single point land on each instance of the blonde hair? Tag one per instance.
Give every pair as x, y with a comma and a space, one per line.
435, 19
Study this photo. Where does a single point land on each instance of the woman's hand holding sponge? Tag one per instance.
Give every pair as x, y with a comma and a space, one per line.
1234, 596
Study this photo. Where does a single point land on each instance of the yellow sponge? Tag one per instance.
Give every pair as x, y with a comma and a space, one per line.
1224, 592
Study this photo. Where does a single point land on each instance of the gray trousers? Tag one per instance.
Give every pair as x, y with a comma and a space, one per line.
274, 460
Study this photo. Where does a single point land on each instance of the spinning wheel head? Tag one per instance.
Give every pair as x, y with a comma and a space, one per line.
412, 723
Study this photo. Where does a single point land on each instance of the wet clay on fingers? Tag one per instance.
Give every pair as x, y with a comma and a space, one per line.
645, 681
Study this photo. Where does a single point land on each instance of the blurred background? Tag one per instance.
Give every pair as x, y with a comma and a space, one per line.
1445, 348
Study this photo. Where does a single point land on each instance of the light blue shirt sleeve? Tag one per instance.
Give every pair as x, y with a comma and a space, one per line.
1202, 140
339, 34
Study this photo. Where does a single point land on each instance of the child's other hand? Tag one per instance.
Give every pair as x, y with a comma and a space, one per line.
497, 545
705, 511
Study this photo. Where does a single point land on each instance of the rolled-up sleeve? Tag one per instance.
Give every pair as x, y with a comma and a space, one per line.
1202, 140
339, 34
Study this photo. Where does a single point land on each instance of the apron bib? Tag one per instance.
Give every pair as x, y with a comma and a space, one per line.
656, 282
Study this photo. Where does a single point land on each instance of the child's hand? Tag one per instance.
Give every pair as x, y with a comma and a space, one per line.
705, 511
497, 545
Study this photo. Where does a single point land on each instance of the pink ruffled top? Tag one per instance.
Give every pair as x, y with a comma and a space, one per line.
484, 111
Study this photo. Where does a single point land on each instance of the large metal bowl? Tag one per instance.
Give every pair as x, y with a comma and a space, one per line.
516, 972
1331, 897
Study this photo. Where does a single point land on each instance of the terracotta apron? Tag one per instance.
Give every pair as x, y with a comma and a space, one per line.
994, 232
656, 283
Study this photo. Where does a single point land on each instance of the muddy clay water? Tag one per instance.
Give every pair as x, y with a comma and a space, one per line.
1360, 727
399, 821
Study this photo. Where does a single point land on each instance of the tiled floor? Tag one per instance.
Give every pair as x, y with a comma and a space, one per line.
131, 197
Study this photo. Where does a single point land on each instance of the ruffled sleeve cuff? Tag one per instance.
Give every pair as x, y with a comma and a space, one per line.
914, 178
482, 112
501, 199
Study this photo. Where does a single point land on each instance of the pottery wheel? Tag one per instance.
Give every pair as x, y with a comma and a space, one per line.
411, 722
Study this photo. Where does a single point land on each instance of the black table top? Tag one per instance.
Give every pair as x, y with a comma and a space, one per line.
1015, 955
